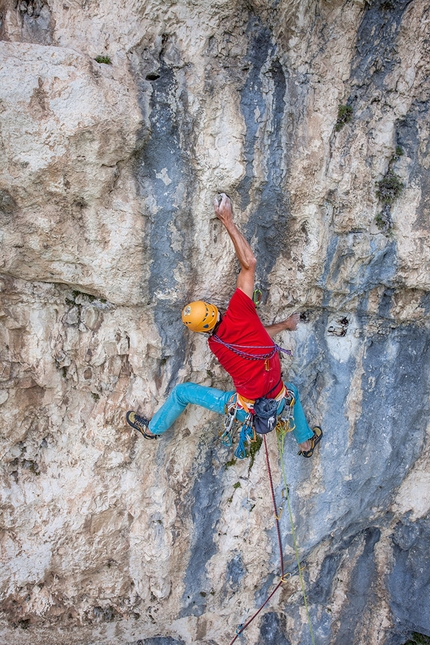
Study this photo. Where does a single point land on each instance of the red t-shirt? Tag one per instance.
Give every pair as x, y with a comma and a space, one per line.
241, 326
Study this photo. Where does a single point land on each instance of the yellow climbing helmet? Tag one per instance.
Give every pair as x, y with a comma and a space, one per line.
200, 316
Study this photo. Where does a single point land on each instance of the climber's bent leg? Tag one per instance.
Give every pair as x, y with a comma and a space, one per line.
181, 395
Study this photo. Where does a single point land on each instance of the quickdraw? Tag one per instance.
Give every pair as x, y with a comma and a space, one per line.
286, 418
226, 436
247, 434
257, 297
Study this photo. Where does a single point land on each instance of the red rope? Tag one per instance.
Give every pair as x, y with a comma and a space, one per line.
269, 470
281, 557
238, 349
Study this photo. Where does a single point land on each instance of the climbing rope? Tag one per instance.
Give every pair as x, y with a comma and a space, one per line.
281, 432
238, 349
280, 435
283, 578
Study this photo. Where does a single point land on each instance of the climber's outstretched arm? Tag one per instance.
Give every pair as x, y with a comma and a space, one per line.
245, 280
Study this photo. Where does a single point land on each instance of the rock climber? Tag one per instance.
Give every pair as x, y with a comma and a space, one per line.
244, 347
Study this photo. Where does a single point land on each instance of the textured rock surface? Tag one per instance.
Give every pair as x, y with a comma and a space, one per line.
107, 173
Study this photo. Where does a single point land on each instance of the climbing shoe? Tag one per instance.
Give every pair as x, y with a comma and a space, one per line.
140, 424
315, 439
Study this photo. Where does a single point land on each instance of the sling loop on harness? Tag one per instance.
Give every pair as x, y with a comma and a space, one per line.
247, 433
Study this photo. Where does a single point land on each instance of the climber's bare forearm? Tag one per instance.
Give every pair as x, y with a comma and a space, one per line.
224, 212
241, 246
290, 324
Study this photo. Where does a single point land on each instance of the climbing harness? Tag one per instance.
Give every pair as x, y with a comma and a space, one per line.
239, 349
282, 429
284, 420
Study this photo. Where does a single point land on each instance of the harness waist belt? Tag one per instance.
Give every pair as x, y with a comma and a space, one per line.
248, 404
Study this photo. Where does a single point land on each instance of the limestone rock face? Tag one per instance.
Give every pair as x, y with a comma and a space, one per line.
314, 117
69, 128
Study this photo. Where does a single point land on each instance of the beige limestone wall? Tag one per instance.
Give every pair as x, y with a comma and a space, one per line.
107, 175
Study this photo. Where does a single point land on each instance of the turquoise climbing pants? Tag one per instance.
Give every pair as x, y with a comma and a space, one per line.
216, 401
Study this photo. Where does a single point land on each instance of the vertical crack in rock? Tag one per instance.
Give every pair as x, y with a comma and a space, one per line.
235, 572
263, 108
272, 631
253, 104
36, 21
205, 496
408, 587
393, 420
411, 130
385, 303
360, 594
425, 303
376, 54
321, 590
166, 184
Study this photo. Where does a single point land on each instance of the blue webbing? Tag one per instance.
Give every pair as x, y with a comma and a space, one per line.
247, 433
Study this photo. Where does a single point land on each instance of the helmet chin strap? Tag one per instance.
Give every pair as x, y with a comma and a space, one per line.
215, 329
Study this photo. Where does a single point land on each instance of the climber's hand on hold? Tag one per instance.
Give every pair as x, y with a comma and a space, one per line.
224, 212
223, 209
289, 323
292, 322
